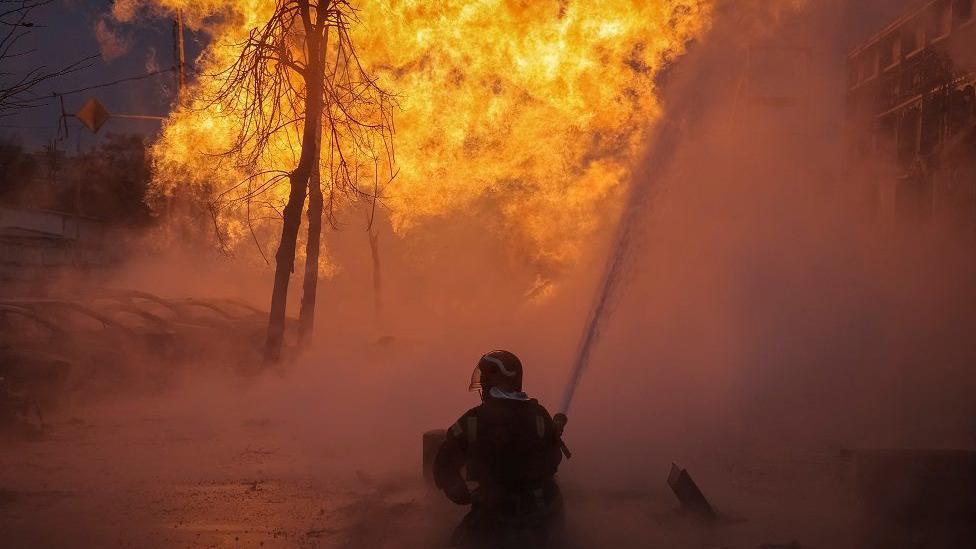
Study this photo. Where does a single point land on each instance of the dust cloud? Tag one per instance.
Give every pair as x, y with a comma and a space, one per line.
768, 325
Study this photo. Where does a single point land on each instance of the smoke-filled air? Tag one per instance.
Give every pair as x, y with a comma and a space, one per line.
488, 274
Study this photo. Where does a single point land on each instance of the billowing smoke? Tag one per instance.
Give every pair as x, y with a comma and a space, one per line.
111, 43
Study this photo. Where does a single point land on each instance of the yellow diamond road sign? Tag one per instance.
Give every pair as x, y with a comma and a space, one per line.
93, 114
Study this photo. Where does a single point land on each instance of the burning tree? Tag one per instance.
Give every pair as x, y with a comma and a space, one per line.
299, 85
528, 116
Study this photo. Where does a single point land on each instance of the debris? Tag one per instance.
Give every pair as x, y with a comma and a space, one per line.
691, 498
320, 532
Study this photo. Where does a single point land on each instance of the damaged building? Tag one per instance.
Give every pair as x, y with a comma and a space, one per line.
910, 117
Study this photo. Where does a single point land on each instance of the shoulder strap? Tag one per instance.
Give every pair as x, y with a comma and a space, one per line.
472, 429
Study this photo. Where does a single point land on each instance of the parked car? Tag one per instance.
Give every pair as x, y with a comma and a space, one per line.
105, 350
32, 372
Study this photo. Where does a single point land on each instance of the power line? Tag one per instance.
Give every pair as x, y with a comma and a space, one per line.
63, 120
26, 127
64, 114
115, 82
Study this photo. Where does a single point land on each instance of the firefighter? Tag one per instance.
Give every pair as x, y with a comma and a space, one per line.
511, 449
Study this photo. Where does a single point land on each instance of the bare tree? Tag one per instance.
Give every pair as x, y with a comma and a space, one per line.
313, 250
374, 251
19, 88
299, 75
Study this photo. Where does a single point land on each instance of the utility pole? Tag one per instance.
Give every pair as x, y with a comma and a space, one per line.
179, 57
179, 61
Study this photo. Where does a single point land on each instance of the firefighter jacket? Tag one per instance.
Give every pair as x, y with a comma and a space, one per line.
509, 447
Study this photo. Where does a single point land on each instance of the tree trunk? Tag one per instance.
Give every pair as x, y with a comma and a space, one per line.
299, 180
306, 316
285, 263
374, 248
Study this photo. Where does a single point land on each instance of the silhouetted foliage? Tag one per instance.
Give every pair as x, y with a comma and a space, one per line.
17, 169
108, 182
114, 178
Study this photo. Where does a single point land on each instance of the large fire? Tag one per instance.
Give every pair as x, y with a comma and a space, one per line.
538, 108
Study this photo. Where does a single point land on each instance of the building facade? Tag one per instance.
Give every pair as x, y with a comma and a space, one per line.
33, 243
911, 108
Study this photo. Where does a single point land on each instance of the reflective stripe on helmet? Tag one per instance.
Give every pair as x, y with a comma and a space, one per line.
500, 364
540, 426
472, 430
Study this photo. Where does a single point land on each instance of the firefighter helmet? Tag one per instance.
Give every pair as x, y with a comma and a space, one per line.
500, 369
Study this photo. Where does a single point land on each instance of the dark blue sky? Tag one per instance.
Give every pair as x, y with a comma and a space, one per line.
69, 35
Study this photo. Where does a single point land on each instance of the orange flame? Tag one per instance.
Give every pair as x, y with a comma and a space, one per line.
539, 106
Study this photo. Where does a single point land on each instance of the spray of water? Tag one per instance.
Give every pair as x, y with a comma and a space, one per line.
637, 206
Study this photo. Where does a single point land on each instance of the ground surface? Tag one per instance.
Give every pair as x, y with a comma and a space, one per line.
135, 475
